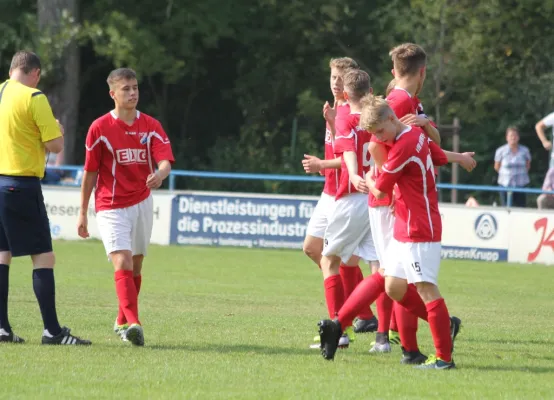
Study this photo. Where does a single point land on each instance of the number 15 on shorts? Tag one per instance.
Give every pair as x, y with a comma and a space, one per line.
416, 267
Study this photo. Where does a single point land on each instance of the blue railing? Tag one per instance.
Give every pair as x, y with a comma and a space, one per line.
307, 178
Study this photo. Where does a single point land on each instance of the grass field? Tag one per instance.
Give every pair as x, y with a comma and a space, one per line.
236, 323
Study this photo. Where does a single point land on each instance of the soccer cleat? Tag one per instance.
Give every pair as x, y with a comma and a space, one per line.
366, 325
65, 338
120, 330
436, 363
381, 344
135, 335
330, 333
455, 325
344, 341
350, 333
394, 337
10, 337
412, 357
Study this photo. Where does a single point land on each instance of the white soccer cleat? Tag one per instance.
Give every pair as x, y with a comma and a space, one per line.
381, 348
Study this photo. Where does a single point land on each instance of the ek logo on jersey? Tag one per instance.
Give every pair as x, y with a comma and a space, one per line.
131, 156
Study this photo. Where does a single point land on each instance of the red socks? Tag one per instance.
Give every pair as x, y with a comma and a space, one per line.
439, 322
384, 312
412, 301
407, 327
127, 295
351, 277
361, 298
334, 294
121, 320
393, 324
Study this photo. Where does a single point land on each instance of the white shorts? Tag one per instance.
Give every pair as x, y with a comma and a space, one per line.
348, 233
127, 228
320, 217
415, 262
381, 221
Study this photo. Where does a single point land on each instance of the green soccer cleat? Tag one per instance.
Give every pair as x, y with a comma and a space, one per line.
394, 337
120, 330
350, 333
436, 363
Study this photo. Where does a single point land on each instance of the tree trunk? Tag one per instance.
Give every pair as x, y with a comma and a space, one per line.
63, 91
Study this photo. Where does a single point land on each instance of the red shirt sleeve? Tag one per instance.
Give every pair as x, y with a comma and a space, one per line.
160, 145
393, 169
93, 145
437, 154
344, 137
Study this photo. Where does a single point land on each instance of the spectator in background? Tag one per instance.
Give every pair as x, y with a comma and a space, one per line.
512, 162
472, 202
545, 201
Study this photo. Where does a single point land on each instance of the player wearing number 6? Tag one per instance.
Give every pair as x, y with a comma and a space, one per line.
122, 149
348, 235
417, 227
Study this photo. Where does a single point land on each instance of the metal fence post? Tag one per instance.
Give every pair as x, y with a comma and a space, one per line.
171, 181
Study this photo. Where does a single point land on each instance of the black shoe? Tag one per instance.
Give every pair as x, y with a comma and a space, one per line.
10, 338
365, 325
65, 338
329, 335
455, 325
412, 357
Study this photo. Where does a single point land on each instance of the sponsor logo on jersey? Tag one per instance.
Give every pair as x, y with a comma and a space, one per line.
131, 156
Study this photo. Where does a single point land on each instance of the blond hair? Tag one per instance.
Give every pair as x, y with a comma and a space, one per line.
375, 110
408, 59
343, 63
356, 83
390, 86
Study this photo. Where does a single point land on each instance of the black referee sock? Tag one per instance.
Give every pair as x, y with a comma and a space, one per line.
4, 287
45, 291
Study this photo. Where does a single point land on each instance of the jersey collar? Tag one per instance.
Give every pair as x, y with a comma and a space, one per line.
408, 129
399, 88
112, 113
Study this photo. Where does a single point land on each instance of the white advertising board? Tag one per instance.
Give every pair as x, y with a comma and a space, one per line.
63, 206
479, 234
531, 237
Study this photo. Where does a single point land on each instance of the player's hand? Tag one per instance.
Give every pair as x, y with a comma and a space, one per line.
82, 226
359, 183
62, 130
311, 164
413, 119
154, 181
330, 113
468, 162
547, 144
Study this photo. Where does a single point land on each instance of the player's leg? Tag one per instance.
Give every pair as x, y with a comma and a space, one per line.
313, 243
425, 264
366, 321
115, 227
27, 230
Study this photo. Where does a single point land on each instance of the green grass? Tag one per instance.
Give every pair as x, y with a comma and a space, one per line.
236, 323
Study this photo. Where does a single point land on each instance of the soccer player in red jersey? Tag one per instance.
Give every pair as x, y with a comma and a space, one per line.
123, 149
330, 168
348, 235
417, 228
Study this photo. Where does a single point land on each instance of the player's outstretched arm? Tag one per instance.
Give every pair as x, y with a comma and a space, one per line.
466, 160
313, 164
87, 185
352, 166
425, 124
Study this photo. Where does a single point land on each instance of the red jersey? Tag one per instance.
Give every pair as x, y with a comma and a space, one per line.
331, 174
124, 155
350, 137
410, 166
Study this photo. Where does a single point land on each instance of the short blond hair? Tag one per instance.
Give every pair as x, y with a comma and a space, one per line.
120, 74
390, 86
408, 59
343, 63
356, 83
375, 110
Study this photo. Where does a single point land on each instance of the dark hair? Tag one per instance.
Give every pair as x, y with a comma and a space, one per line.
121, 73
26, 61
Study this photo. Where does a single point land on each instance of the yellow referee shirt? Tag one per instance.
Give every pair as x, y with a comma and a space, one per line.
26, 122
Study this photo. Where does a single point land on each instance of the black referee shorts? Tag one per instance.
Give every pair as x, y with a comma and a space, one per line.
24, 225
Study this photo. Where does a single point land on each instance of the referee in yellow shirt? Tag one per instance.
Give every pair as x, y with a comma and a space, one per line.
27, 130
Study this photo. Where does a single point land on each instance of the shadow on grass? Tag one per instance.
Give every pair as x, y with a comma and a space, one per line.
235, 348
